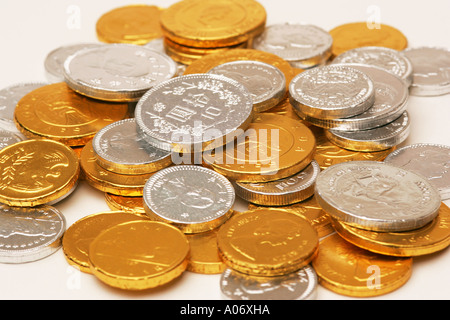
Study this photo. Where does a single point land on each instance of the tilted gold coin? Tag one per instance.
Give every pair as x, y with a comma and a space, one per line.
352, 271
108, 181
433, 237
80, 234
362, 34
311, 210
327, 153
271, 148
267, 242
284, 108
204, 255
35, 172
134, 24
210, 61
125, 203
213, 23
57, 112
139, 255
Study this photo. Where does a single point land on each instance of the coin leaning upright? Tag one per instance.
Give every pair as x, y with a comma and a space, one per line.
376, 196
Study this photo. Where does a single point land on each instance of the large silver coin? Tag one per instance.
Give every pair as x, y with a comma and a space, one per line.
193, 112
119, 148
430, 160
281, 192
117, 72
298, 285
388, 59
193, 198
9, 97
54, 61
391, 97
431, 70
29, 234
376, 196
266, 83
376, 139
331, 92
302, 45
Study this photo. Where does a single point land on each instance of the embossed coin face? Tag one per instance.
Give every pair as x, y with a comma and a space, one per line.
266, 83
193, 198
267, 242
29, 234
194, 112
391, 97
343, 268
117, 72
272, 148
135, 24
303, 45
430, 70
120, 258
363, 34
119, 148
56, 112
430, 160
281, 192
298, 285
376, 196
213, 23
333, 91
54, 61
37, 172
9, 97
393, 61
81, 233
372, 140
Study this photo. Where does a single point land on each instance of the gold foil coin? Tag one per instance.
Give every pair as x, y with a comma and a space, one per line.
352, 271
433, 237
267, 242
363, 34
57, 112
271, 148
213, 23
35, 172
134, 24
139, 255
204, 255
80, 234
108, 181
124, 203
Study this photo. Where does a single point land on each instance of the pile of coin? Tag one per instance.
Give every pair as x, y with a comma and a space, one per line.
298, 122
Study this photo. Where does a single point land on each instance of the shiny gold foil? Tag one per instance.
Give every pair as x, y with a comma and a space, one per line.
204, 256
57, 112
139, 255
123, 203
35, 172
267, 242
352, 271
80, 234
134, 24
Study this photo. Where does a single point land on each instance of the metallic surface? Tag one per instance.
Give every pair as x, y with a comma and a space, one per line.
117, 72
36, 172
30, 234
124, 203
267, 242
119, 257
349, 270
191, 113
80, 234
376, 196
298, 285
332, 91
193, 198
430, 160
204, 255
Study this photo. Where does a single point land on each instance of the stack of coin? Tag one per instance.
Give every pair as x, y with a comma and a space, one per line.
196, 28
361, 106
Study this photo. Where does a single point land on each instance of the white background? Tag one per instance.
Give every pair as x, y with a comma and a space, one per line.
31, 29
